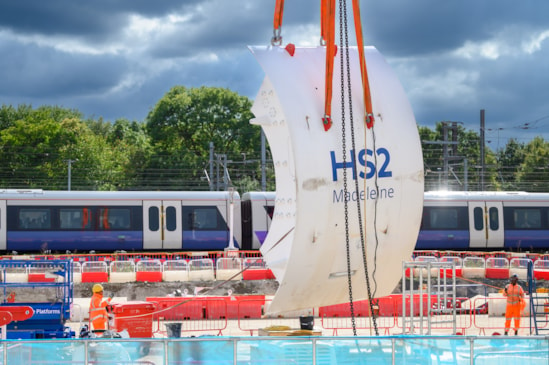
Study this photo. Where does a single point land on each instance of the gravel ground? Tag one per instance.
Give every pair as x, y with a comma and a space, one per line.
139, 291
142, 290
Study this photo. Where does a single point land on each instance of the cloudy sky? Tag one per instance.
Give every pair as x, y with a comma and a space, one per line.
117, 58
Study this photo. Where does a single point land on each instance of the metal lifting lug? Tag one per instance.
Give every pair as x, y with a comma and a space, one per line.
277, 37
327, 122
369, 121
322, 42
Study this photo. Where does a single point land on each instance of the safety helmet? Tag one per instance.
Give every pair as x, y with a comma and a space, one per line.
97, 288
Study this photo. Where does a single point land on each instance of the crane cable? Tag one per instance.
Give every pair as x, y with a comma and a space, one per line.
344, 33
327, 22
344, 153
369, 120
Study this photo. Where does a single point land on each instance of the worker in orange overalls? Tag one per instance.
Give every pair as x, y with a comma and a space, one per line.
515, 303
98, 309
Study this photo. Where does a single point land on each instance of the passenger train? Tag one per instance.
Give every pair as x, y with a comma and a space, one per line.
78, 221
508, 221
57, 221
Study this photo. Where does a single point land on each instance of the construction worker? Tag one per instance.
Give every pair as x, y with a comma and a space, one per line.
98, 309
515, 303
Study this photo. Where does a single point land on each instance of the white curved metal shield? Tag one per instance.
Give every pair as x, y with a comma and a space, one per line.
306, 247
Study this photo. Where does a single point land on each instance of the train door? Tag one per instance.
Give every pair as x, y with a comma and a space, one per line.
162, 224
257, 214
3, 226
486, 224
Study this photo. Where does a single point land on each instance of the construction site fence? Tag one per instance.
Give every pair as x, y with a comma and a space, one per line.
176, 255
250, 265
281, 350
210, 315
152, 270
137, 256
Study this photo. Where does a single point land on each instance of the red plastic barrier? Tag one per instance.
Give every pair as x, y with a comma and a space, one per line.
95, 277
235, 307
250, 307
40, 278
384, 307
215, 308
187, 308
459, 272
497, 273
336, 310
541, 275
129, 316
397, 300
257, 274
149, 276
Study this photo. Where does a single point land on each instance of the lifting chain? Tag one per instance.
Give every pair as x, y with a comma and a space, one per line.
344, 41
344, 151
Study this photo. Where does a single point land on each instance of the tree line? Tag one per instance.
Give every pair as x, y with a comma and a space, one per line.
192, 132
518, 166
171, 150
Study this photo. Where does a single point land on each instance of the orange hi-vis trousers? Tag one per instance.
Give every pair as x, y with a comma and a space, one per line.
512, 312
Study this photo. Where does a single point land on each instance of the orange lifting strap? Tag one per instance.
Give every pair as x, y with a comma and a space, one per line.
369, 117
277, 22
328, 34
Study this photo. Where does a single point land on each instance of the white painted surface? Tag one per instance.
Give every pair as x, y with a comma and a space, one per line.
306, 245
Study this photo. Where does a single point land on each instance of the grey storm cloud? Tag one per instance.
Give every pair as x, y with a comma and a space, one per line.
404, 27
53, 73
96, 18
117, 58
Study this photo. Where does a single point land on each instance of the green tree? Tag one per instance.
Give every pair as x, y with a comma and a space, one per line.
510, 160
130, 139
35, 151
184, 123
534, 172
465, 153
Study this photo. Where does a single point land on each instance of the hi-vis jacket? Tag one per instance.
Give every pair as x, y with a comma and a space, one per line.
97, 308
515, 294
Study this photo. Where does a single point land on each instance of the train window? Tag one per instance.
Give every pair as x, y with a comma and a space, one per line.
202, 219
34, 218
493, 215
171, 219
444, 218
478, 215
114, 218
527, 218
154, 219
75, 218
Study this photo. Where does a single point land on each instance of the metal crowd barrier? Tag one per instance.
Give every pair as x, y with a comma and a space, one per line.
281, 350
